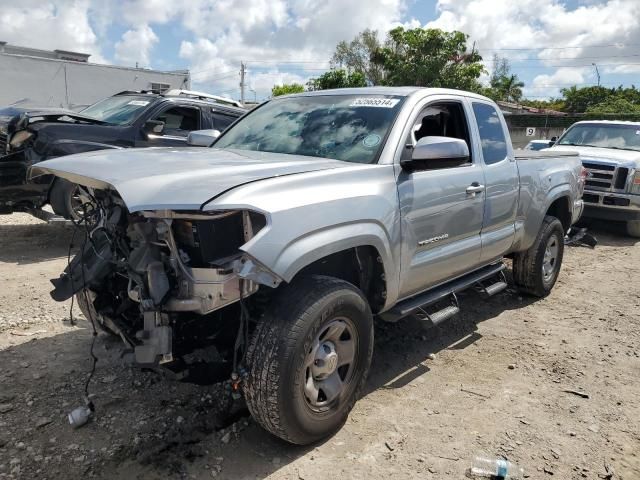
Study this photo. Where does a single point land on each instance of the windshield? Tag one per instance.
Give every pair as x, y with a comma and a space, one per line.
118, 110
351, 128
624, 137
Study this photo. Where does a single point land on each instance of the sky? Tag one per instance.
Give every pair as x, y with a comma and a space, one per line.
551, 44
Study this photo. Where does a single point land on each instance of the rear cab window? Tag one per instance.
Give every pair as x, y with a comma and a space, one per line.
492, 138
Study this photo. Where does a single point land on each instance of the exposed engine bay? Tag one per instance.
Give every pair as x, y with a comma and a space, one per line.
170, 284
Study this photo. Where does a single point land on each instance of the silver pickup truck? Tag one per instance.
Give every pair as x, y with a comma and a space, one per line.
306, 218
610, 151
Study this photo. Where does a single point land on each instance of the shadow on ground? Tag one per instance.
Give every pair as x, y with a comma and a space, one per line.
136, 433
31, 243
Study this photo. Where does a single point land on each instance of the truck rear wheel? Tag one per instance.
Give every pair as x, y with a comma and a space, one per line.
535, 271
309, 358
633, 228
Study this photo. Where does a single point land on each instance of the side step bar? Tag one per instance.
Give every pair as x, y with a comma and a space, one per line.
417, 303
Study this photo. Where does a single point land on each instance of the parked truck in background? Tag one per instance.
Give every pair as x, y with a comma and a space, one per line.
127, 119
610, 151
307, 217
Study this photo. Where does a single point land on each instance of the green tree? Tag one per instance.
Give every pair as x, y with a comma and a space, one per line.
613, 105
429, 58
357, 56
337, 79
286, 89
504, 85
578, 100
510, 88
551, 104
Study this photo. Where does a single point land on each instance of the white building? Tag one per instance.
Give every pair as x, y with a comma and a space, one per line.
58, 78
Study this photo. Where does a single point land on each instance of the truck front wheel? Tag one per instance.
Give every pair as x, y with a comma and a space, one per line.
67, 200
633, 228
535, 271
309, 358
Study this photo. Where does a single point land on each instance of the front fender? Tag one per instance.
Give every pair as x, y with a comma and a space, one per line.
313, 246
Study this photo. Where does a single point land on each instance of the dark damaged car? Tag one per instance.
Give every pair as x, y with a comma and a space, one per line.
128, 119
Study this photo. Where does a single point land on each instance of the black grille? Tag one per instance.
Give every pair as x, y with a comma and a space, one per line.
621, 178
598, 166
605, 177
619, 202
589, 198
3, 144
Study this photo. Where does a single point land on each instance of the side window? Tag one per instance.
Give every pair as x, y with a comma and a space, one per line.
221, 120
494, 144
440, 120
179, 121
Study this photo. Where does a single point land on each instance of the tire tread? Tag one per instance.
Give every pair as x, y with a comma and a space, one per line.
274, 342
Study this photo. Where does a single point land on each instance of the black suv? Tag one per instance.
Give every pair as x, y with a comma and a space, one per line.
127, 119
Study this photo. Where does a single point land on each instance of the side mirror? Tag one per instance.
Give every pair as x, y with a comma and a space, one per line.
153, 126
437, 152
553, 141
202, 138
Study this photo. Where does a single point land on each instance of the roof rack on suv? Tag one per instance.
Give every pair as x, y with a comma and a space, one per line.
202, 96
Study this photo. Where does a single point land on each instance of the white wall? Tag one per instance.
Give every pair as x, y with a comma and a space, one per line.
42, 81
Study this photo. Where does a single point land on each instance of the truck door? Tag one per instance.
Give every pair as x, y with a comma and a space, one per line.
500, 179
442, 207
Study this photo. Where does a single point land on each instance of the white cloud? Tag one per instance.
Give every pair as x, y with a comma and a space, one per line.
270, 33
550, 85
533, 24
46, 25
135, 46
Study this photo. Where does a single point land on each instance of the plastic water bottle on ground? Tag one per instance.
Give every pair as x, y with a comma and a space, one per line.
495, 468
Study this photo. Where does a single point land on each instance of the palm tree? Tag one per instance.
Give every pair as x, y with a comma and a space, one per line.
510, 88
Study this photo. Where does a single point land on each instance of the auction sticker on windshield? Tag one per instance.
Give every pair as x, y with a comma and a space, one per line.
138, 103
375, 102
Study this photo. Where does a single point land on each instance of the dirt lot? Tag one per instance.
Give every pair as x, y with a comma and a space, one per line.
493, 380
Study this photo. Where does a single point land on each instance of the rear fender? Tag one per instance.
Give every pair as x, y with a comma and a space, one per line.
527, 228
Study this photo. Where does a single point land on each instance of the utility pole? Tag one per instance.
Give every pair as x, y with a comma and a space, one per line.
597, 73
243, 71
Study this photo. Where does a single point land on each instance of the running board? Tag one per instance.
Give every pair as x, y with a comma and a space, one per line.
498, 286
413, 304
436, 318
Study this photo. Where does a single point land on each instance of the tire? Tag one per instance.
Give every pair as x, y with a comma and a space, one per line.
633, 228
84, 299
61, 198
529, 272
287, 377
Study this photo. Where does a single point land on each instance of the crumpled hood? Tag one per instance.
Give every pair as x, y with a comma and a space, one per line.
13, 118
176, 178
625, 158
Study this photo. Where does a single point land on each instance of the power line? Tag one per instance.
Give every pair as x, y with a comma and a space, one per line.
575, 66
568, 47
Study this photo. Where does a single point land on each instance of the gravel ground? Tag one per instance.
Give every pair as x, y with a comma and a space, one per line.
496, 380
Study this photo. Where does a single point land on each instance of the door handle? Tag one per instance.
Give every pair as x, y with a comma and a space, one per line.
474, 188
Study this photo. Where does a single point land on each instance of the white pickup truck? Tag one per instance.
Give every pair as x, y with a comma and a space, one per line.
610, 151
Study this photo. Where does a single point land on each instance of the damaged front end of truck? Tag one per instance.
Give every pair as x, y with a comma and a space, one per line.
173, 285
